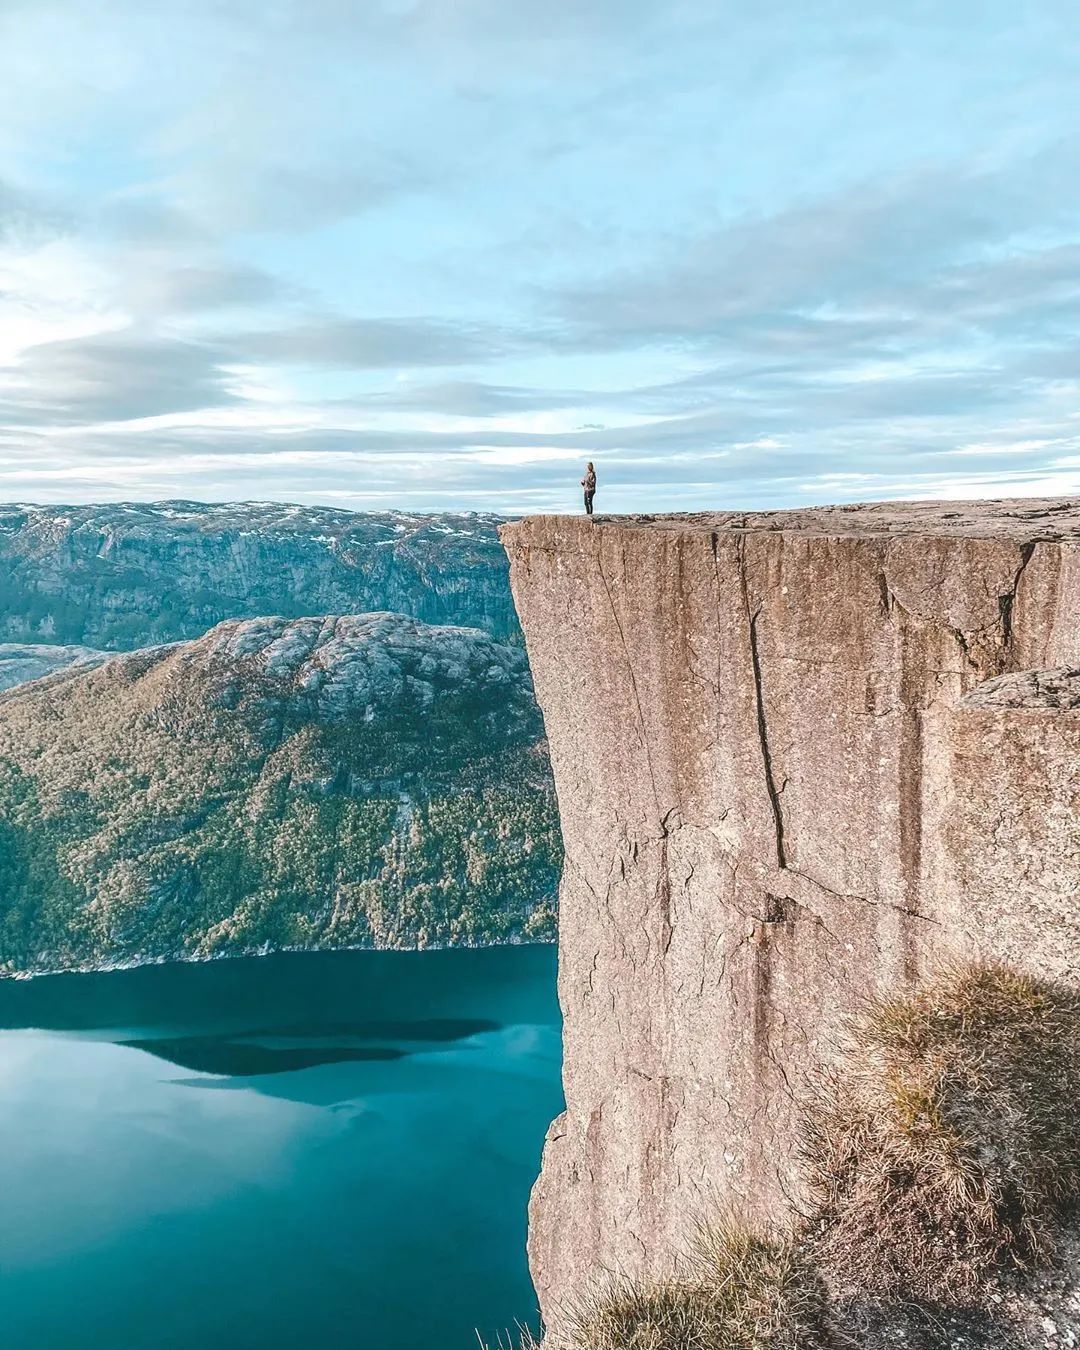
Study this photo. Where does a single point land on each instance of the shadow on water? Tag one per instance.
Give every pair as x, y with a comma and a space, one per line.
348, 1164
426, 996
246, 1054
235, 1059
429, 1029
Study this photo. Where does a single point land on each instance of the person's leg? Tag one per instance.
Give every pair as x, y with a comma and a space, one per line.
588, 503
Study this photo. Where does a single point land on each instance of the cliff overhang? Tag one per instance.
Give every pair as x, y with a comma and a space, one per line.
784, 783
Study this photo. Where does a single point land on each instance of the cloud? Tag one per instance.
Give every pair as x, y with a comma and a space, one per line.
166, 288
343, 343
26, 217
432, 249
115, 376
234, 187
471, 398
871, 261
311, 468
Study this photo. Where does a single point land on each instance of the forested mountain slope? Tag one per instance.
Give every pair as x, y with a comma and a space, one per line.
329, 781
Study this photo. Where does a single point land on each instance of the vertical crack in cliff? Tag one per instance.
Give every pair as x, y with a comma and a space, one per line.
766, 749
1007, 601
885, 595
910, 751
771, 789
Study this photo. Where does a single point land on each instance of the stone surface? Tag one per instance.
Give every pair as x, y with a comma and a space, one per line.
1028, 518
780, 787
1004, 819
22, 662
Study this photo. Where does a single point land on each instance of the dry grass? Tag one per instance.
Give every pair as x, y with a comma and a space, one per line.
735, 1292
947, 1141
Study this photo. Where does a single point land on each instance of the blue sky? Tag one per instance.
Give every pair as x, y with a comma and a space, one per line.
437, 253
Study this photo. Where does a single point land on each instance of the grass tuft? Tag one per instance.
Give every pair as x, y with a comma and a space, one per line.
736, 1291
946, 1142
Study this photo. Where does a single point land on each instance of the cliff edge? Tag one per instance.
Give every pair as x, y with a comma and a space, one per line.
800, 757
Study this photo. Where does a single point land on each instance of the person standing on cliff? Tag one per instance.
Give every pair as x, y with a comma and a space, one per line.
589, 484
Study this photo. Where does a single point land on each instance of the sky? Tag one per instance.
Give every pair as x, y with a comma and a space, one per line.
435, 254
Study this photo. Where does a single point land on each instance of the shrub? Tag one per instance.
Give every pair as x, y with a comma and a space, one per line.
946, 1142
735, 1292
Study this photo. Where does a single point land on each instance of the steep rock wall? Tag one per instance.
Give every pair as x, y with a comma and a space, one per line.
128, 574
780, 787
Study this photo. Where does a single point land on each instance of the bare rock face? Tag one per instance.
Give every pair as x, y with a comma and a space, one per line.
784, 781
22, 662
124, 575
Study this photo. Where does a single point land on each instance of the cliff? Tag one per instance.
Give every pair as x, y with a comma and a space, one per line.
126, 575
799, 757
364, 780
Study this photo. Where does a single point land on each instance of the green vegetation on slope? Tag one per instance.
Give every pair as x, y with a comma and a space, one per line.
363, 781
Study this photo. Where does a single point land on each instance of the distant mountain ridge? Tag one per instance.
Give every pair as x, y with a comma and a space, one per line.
358, 780
124, 575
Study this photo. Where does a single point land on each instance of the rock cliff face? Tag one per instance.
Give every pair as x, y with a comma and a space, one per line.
126, 575
798, 756
364, 781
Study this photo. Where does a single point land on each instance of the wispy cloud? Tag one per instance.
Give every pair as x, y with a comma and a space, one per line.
114, 376
425, 253
341, 343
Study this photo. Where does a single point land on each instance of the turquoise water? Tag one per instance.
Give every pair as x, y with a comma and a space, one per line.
320, 1150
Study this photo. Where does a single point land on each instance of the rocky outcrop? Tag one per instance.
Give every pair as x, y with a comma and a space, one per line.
22, 662
799, 757
125, 575
364, 780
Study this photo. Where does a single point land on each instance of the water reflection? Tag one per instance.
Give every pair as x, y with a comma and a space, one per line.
237, 1059
270, 1050
326, 1150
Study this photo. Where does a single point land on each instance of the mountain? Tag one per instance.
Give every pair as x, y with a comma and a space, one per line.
20, 662
315, 782
128, 575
